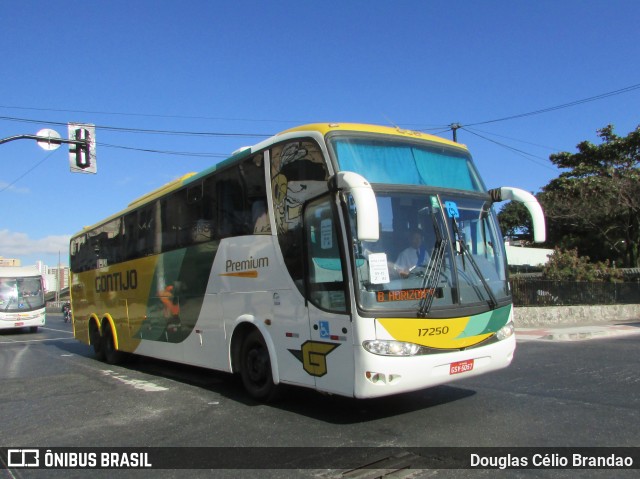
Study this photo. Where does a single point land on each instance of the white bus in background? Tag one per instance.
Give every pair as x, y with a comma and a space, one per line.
21, 298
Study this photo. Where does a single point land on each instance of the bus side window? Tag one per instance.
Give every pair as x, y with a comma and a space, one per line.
238, 189
229, 203
146, 230
130, 235
256, 215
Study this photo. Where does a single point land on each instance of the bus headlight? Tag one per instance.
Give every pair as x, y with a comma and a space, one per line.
506, 331
391, 348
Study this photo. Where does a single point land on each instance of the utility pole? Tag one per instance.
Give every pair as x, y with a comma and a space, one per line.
454, 128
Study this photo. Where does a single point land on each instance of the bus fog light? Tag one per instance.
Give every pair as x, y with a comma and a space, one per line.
391, 348
506, 331
376, 378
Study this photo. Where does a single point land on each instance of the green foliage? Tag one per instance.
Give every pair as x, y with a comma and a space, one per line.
515, 220
594, 206
567, 265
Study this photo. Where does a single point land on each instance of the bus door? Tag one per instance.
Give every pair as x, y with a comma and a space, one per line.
328, 356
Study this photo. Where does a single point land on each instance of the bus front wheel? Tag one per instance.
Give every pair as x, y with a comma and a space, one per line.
255, 368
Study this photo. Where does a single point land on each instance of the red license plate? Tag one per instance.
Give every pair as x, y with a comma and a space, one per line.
17, 325
461, 366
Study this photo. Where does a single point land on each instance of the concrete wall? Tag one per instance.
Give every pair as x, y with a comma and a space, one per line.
521, 256
547, 316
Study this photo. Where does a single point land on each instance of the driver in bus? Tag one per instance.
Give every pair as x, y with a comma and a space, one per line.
412, 256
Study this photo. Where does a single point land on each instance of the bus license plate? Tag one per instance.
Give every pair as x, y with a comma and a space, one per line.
461, 366
17, 325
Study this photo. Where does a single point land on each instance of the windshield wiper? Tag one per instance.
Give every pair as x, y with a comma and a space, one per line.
432, 272
465, 252
11, 299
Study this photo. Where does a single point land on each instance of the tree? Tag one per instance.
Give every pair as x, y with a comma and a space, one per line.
568, 266
595, 205
515, 220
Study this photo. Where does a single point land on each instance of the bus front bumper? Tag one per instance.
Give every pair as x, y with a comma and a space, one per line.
22, 320
386, 375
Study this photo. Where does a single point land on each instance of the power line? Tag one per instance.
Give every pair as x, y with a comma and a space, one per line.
6, 187
564, 105
167, 152
149, 115
514, 139
524, 154
146, 131
261, 135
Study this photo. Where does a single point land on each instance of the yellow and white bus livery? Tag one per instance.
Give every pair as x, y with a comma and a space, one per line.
291, 262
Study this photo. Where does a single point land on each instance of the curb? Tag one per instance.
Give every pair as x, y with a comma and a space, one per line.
577, 333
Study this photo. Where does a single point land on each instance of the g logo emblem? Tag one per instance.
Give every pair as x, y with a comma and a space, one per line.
313, 356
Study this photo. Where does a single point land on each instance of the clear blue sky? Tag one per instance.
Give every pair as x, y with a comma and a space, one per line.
260, 67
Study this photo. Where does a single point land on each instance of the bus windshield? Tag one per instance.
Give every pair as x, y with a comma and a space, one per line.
21, 294
437, 251
394, 161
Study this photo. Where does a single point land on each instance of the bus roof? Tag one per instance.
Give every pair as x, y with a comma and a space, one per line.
326, 128
172, 185
241, 153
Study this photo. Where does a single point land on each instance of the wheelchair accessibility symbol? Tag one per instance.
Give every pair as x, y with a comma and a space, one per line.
324, 329
452, 209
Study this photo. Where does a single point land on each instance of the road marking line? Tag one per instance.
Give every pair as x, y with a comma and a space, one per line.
37, 340
147, 386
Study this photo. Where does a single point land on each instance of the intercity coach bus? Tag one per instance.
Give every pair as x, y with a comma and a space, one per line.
21, 298
288, 263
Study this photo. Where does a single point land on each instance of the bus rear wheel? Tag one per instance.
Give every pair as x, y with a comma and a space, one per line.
255, 368
111, 354
96, 341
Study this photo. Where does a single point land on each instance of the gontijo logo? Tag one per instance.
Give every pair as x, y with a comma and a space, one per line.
117, 281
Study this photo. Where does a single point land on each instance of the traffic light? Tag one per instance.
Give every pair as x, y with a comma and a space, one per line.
82, 150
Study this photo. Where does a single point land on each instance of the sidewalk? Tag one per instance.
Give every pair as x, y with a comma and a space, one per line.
577, 333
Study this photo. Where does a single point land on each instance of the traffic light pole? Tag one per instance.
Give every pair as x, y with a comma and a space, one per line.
53, 141
82, 145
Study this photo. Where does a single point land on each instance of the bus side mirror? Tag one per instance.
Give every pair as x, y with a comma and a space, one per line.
530, 202
367, 226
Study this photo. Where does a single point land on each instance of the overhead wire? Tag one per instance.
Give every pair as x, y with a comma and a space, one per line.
524, 154
559, 107
146, 131
36, 165
514, 139
435, 130
151, 115
166, 152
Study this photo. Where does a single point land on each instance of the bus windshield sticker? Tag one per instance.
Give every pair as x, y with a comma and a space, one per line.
378, 268
452, 209
326, 234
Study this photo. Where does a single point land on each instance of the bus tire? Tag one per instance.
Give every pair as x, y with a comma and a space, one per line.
255, 368
33, 329
111, 354
96, 340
